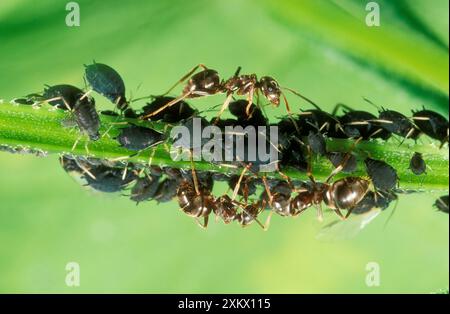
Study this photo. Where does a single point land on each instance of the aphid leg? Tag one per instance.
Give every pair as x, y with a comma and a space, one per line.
125, 171
410, 132
86, 147
86, 94
223, 108
185, 77
76, 143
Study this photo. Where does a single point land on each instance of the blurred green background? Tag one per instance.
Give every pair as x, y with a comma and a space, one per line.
321, 48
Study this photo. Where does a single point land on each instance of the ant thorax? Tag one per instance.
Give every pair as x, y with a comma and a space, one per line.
241, 85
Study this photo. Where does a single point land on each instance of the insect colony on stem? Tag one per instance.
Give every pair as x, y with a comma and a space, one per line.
302, 136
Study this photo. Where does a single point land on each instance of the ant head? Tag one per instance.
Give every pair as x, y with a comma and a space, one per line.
271, 89
206, 81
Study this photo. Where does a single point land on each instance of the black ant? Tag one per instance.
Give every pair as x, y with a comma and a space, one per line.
207, 82
342, 194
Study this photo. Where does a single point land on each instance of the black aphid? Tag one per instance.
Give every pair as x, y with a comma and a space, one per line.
176, 113
62, 96
442, 204
371, 200
137, 138
106, 81
255, 117
86, 117
417, 164
398, 124
357, 124
23, 101
317, 120
109, 180
145, 188
317, 143
337, 159
384, 177
432, 124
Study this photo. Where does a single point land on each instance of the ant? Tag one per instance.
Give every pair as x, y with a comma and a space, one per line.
345, 193
207, 82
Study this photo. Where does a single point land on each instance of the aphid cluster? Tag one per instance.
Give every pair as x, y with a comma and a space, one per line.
302, 136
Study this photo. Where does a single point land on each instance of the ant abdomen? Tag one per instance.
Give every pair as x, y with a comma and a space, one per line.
206, 82
346, 193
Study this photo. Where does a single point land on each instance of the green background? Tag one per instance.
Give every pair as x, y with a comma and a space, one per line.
321, 48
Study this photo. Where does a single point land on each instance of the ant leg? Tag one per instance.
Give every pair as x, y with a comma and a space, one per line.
288, 109
344, 161
203, 225
319, 212
238, 183
194, 175
223, 108
185, 77
169, 104
250, 102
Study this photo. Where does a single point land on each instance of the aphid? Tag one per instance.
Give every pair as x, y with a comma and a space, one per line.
317, 143
145, 188
207, 82
362, 214
337, 158
23, 101
417, 164
432, 124
86, 117
137, 138
254, 116
109, 180
319, 121
62, 96
174, 114
96, 175
106, 81
167, 190
22, 150
356, 123
383, 176
442, 204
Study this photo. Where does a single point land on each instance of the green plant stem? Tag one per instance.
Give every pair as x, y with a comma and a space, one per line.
42, 129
